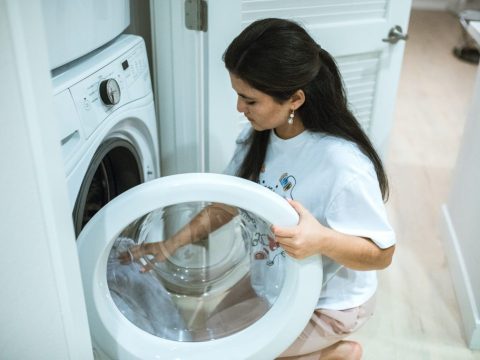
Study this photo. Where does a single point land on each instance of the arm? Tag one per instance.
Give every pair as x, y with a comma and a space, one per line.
205, 222
310, 237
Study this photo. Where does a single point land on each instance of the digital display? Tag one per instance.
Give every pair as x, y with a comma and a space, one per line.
125, 65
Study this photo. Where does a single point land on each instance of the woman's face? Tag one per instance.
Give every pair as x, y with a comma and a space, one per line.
260, 109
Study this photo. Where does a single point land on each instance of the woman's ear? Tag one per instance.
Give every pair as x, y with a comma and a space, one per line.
297, 99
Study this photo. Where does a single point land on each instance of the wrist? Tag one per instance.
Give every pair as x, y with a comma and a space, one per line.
327, 241
181, 238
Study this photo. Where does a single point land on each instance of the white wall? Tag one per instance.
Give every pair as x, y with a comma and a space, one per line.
461, 225
140, 24
42, 312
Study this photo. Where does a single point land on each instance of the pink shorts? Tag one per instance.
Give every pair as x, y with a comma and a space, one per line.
327, 327
324, 328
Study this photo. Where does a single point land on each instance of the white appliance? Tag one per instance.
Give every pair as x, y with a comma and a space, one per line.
109, 138
75, 28
233, 295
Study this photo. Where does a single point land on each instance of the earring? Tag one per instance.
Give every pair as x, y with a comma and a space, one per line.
290, 117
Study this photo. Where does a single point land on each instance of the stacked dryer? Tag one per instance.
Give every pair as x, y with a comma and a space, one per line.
75, 28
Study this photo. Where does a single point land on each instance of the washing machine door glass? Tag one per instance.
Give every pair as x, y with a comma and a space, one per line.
186, 267
210, 270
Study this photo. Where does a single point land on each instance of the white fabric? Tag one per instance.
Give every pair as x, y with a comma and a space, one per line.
337, 183
142, 298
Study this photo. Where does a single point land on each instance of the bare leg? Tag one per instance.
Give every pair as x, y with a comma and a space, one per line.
342, 350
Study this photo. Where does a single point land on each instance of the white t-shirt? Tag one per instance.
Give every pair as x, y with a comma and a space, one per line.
337, 183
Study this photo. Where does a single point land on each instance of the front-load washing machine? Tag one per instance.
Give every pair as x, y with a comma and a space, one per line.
108, 132
186, 267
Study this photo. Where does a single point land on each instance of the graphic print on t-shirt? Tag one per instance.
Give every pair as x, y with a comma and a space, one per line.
264, 246
263, 243
283, 187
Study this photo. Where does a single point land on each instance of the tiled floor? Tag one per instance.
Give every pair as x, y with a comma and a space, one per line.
417, 314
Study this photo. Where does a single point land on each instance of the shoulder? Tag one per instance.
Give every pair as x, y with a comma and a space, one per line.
243, 139
244, 135
341, 155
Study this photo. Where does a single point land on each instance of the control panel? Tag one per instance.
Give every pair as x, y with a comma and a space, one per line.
124, 80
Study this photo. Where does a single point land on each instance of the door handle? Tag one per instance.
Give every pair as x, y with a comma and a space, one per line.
395, 35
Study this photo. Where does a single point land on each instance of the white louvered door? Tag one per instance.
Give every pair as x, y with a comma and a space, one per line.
351, 30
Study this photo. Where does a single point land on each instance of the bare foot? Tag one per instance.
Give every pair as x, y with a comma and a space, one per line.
342, 350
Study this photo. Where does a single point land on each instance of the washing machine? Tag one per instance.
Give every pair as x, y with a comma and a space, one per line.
108, 132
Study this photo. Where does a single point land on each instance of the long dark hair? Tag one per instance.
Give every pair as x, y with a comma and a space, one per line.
278, 57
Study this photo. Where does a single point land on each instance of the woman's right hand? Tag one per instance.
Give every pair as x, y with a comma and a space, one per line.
160, 250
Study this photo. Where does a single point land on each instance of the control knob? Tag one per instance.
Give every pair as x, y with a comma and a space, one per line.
110, 92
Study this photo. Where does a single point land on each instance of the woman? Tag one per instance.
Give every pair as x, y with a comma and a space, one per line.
303, 135
290, 90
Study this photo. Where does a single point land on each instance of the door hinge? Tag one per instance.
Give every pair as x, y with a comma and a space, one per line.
196, 15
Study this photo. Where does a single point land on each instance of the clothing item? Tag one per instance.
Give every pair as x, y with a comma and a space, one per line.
142, 298
337, 183
325, 328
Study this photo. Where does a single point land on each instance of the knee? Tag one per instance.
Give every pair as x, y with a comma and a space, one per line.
357, 351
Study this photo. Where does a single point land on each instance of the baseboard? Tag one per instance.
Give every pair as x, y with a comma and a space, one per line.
461, 282
430, 4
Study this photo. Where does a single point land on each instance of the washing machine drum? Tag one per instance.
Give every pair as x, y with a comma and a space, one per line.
186, 267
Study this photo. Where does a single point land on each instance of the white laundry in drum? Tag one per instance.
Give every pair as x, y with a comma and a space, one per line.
141, 298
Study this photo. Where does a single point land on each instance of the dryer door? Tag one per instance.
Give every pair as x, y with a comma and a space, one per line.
217, 287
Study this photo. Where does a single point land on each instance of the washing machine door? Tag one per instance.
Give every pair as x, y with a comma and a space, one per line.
217, 285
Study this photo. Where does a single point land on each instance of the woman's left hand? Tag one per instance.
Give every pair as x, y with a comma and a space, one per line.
304, 239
